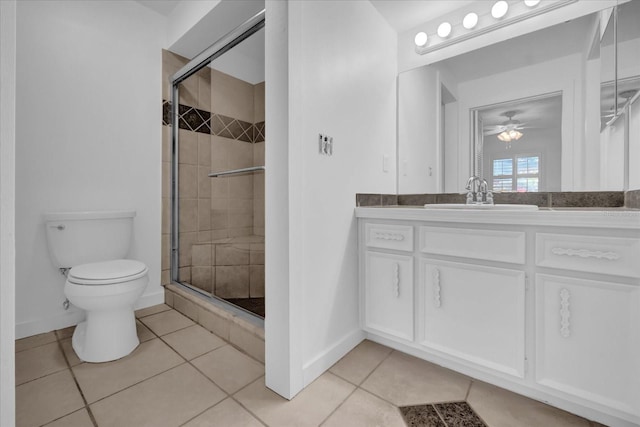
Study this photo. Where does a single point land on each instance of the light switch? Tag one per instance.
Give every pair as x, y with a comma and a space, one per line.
385, 163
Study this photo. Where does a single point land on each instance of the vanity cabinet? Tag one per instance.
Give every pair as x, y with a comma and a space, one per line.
474, 313
545, 303
588, 340
588, 331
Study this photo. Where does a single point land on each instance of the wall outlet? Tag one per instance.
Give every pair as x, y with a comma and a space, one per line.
325, 144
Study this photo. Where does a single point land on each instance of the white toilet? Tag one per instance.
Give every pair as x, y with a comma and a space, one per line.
100, 281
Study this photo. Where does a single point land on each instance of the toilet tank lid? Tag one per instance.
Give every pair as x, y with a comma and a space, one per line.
115, 269
65, 216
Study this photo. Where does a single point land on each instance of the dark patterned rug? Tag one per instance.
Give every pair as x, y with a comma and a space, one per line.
452, 414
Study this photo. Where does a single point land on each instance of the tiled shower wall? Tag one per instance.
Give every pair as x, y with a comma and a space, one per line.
221, 128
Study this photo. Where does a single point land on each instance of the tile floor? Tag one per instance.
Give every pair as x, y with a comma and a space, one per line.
182, 375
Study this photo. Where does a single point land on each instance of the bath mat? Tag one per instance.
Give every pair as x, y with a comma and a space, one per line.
452, 414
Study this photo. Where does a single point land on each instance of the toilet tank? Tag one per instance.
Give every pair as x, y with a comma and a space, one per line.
75, 238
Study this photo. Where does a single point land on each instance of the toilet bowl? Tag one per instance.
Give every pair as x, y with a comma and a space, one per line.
107, 291
90, 247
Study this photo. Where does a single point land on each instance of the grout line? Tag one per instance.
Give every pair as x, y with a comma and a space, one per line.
75, 380
466, 396
263, 378
341, 403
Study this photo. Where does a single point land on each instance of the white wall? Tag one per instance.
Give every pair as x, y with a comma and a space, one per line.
7, 210
419, 117
341, 66
88, 137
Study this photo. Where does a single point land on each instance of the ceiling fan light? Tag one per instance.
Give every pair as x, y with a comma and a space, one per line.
504, 137
470, 20
499, 9
421, 39
444, 30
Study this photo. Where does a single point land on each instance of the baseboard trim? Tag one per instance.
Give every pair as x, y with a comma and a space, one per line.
325, 360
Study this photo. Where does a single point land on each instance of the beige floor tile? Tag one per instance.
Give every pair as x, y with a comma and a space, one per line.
366, 410
193, 341
225, 414
406, 380
168, 399
166, 322
38, 362
65, 333
229, 368
35, 341
47, 399
144, 333
77, 419
98, 380
71, 355
360, 361
502, 408
154, 309
309, 408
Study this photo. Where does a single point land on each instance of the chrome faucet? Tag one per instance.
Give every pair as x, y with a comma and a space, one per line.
478, 191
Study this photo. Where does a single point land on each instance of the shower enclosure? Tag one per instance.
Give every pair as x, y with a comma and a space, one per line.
216, 115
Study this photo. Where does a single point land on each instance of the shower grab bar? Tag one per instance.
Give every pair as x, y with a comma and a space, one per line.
235, 171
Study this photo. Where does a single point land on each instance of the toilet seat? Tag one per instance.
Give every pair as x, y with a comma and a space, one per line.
107, 272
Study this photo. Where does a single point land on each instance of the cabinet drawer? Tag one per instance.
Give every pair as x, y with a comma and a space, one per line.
386, 236
617, 256
491, 245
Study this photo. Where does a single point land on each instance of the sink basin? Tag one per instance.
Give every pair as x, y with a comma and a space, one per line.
463, 206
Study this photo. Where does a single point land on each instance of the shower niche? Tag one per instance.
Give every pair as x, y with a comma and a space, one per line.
214, 216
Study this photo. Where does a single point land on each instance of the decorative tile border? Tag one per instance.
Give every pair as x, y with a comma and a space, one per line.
196, 120
453, 414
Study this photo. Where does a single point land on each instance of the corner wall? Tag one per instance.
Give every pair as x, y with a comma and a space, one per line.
88, 137
341, 67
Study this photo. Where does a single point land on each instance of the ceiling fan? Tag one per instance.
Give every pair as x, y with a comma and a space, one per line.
508, 126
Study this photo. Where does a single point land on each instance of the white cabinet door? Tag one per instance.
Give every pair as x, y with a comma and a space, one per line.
388, 294
474, 313
588, 340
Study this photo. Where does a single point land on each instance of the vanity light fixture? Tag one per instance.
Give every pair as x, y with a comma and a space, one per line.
503, 15
470, 20
444, 30
499, 9
421, 39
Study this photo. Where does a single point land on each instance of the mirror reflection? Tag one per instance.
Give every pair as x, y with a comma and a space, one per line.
525, 113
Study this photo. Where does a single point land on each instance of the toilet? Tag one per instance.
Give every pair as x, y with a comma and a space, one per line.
90, 247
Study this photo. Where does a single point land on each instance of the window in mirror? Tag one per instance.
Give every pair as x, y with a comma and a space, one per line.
515, 165
525, 179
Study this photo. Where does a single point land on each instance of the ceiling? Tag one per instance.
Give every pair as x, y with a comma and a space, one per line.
163, 7
400, 14
536, 113
403, 15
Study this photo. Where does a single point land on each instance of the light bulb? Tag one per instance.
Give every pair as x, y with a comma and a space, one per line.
499, 9
421, 39
531, 3
444, 30
470, 20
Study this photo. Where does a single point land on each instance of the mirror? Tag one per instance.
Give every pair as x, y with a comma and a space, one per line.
545, 85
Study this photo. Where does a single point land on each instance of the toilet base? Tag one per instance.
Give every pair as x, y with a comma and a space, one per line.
106, 335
